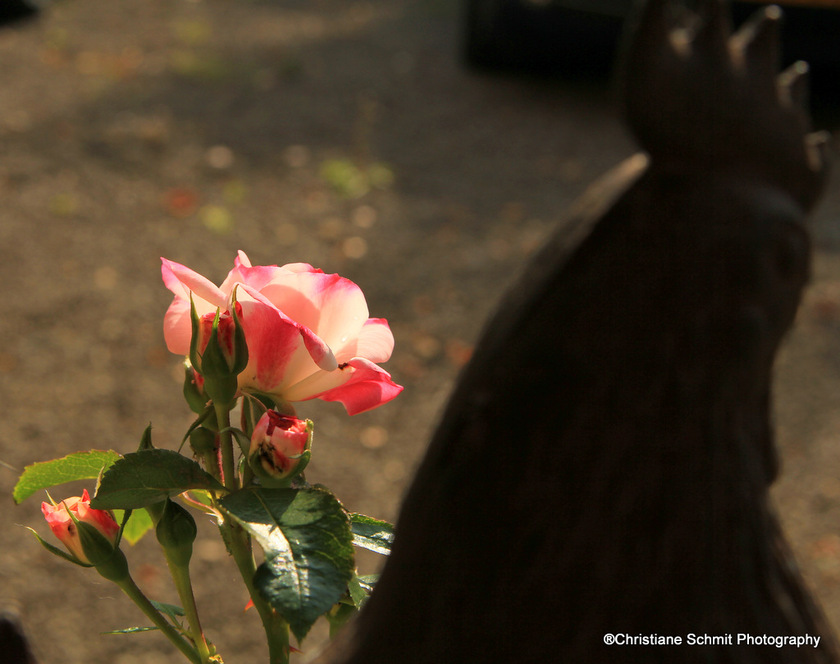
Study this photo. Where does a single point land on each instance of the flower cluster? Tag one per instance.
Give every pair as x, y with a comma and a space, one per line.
266, 338
309, 335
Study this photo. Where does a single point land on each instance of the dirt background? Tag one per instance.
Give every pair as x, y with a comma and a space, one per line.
344, 134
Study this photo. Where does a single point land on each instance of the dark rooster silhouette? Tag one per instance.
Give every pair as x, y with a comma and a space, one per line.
13, 11
603, 465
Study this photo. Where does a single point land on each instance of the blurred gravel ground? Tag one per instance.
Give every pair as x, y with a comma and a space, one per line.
344, 134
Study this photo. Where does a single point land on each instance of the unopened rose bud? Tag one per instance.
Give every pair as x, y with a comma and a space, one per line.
65, 519
224, 328
280, 446
176, 532
218, 351
203, 441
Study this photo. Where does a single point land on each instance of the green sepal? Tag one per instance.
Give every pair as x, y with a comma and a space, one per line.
103, 554
146, 439
220, 382
240, 347
269, 480
196, 399
58, 552
206, 418
242, 440
195, 325
176, 532
273, 482
114, 568
253, 407
272, 402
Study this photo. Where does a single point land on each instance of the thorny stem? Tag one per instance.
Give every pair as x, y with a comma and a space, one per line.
276, 628
239, 543
231, 479
136, 595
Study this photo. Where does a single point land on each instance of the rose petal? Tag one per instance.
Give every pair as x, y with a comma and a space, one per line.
177, 327
242, 259
319, 350
280, 352
332, 307
375, 343
256, 277
182, 281
361, 386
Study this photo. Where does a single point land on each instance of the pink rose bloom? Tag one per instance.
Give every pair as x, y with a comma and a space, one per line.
61, 523
308, 333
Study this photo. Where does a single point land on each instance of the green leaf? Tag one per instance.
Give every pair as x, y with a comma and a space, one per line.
76, 466
139, 523
150, 476
170, 611
356, 592
368, 581
372, 534
130, 630
305, 534
201, 500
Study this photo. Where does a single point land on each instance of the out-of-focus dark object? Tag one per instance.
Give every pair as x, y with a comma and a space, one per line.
13, 11
14, 648
569, 36
599, 480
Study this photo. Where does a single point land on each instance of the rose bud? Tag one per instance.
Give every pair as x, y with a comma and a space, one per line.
176, 532
218, 351
66, 519
280, 446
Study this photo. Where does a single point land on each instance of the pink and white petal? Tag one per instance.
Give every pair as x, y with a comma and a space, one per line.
316, 383
369, 386
375, 343
319, 350
182, 281
280, 352
274, 343
344, 311
243, 272
302, 267
242, 259
334, 308
177, 327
